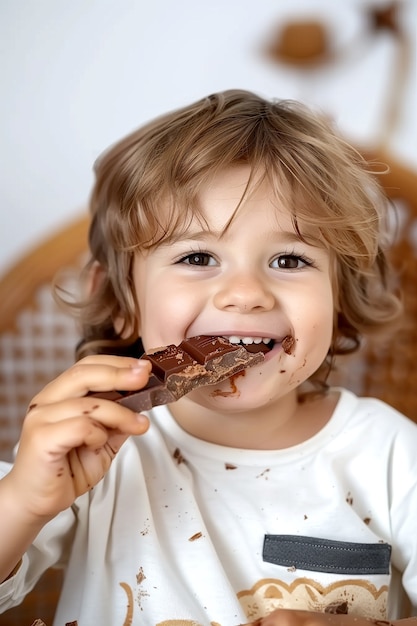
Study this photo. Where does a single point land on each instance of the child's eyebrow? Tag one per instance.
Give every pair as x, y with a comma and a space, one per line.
278, 236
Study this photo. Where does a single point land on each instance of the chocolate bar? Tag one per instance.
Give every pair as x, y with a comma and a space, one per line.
177, 370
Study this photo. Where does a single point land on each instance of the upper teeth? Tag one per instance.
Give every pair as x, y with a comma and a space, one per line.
248, 340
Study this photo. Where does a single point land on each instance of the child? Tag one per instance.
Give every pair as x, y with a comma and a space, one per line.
252, 220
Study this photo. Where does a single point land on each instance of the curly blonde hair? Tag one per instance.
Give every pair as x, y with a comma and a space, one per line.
323, 182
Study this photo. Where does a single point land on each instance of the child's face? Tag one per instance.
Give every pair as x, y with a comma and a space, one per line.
256, 280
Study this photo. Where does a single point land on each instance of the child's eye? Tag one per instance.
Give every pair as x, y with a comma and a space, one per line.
290, 262
201, 259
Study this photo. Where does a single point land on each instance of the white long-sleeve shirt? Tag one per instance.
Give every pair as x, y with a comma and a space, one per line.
182, 531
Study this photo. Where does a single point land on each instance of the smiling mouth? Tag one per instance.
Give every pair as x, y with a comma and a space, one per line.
253, 344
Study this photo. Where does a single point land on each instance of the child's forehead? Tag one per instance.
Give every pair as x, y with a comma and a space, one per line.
230, 198
236, 192
223, 219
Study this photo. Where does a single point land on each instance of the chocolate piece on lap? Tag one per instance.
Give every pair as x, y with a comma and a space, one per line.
177, 370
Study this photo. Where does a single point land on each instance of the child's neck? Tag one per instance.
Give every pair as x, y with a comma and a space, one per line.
276, 426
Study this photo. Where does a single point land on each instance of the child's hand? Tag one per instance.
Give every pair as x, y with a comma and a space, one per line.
69, 439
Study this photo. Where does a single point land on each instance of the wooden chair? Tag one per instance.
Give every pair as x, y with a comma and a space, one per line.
37, 342
387, 369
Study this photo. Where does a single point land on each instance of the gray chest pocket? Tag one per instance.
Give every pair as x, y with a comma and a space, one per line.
324, 555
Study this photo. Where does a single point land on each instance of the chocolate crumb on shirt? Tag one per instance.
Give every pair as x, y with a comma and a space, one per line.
230, 466
264, 473
178, 456
337, 608
140, 576
196, 536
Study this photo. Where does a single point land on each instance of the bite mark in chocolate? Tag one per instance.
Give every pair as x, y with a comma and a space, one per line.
177, 370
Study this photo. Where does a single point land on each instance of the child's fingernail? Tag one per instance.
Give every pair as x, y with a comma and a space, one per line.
142, 419
140, 365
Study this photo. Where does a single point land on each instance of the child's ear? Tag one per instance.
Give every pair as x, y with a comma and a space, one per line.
122, 328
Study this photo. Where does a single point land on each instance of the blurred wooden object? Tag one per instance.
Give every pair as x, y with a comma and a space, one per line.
38, 267
301, 43
37, 340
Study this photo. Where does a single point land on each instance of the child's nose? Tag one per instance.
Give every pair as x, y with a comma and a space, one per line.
244, 294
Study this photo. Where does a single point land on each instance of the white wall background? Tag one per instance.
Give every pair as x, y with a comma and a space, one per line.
76, 75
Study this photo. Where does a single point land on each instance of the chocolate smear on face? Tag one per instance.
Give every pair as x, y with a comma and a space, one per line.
288, 344
234, 391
